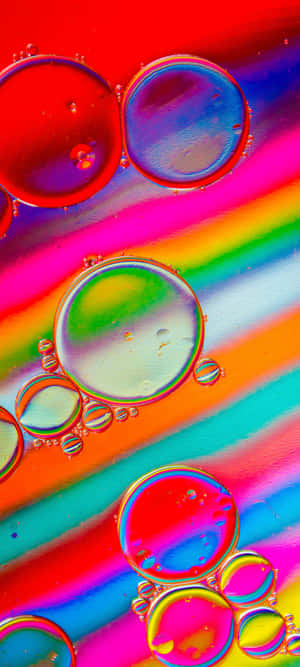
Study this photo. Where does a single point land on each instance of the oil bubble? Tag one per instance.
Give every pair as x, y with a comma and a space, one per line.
121, 414
49, 363
48, 405
190, 625
146, 589
261, 632
162, 522
133, 412
71, 444
207, 372
32, 640
97, 417
293, 644
178, 115
6, 212
40, 141
11, 444
140, 606
247, 578
45, 346
90, 331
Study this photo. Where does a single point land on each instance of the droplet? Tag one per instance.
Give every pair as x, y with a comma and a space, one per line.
48, 177
190, 625
45, 346
31, 50
121, 414
97, 417
48, 405
174, 132
124, 162
207, 372
158, 505
30, 640
49, 363
71, 444
11, 444
261, 632
247, 578
90, 260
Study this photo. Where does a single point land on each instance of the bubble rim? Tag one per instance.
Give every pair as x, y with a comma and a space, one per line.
70, 199
246, 617
59, 431
159, 580
246, 552
41, 623
207, 383
182, 59
189, 366
198, 587
18, 453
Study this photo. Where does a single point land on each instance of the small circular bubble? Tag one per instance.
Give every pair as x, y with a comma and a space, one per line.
133, 412
293, 644
6, 212
121, 414
166, 526
261, 632
140, 606
11, 444
49, 363
190, 625
37, 443
146, 589
48, 405
178, 115
32, 640
71, 444
207, 372
247, 578
45, 346
97, 417
31, 50
55, 158
108, 346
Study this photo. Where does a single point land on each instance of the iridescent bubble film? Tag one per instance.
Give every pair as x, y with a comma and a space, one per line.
32, 641
11, 444
69, 107
108, 331
177, 524
190, 626
261, 633
247, 578
185, 121
48, 405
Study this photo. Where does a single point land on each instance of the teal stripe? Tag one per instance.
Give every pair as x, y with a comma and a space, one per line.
46, 520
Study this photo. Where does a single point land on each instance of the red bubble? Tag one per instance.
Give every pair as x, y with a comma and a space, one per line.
61, 134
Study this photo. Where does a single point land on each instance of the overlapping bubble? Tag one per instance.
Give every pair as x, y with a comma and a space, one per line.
27, 641
185, 121
11, 444
128, 331
190, 625
177, 524
247, 578
63, 144
48, 405
261, 632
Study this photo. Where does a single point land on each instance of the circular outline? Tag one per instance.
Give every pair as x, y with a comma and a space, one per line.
71, 200
130, 401
19, 449
104, 428
244, 617
247, 552
207, 384
228, 165
169, 591
26, 618
126, 497
53, 376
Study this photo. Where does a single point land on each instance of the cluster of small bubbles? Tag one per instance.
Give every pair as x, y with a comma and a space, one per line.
250, 139
72, 107
15, 207
121, 414
119, 91
82, 156
80, 57
71, 444
49, 363
91, 260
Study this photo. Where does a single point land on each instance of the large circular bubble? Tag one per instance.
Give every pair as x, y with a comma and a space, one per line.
128, 331
261, 632
60, 131
185, 121
27, 641
247, 578
190, 626
6, 212
177, 524
11, 444
48, 405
